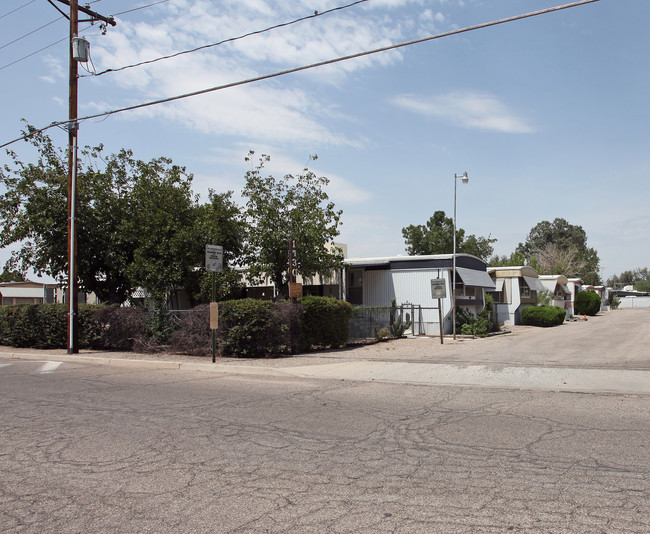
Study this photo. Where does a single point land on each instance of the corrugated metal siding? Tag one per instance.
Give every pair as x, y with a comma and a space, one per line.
415, 286
412, 286
377, 288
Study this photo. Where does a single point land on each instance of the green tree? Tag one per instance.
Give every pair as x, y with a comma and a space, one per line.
629, 278
561, 248
161, 224
293, 207
516, 259
11, 276
437, 237
642, 285
221, 222
138, 223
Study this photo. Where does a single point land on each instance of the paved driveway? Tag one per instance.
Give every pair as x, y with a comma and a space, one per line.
618, 339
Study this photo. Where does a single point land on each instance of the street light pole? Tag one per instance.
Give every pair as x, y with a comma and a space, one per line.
465, 179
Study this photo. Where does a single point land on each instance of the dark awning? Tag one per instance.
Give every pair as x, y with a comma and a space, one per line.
473, 278
498, 283
534, 283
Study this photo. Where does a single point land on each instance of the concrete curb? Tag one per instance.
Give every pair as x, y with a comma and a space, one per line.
133, 363
616, 381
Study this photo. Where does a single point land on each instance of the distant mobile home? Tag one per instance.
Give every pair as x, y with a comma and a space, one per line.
557, 284
516, 288
407, 279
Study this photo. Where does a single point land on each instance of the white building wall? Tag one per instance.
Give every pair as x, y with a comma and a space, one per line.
412, 286
22, 292
635, 302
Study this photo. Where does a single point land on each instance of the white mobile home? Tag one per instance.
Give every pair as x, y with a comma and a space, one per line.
575, 286
13, 293
407, 279
515, 288
558, 285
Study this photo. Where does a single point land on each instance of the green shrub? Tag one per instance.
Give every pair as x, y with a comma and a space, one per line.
542, 315
479, 328
545, 297
613, 302
382, 333
587, 303
40, 326
5, 325
326, 321
469, 325
249, 328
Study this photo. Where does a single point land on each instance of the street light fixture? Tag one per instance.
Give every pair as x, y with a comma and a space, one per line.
465, 179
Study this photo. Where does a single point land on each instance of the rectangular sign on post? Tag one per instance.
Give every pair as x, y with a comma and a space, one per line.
214, 315
438, 288
213, 258
295, 290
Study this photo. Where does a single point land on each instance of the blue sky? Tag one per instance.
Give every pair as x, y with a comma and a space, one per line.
548, 115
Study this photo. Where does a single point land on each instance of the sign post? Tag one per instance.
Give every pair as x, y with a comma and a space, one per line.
214, 264
439, 291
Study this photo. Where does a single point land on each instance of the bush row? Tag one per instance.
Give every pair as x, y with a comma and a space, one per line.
542, 315
247, 328
254, 328
45, 326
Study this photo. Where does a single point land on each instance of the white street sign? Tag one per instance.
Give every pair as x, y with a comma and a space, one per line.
214, 258
438, 288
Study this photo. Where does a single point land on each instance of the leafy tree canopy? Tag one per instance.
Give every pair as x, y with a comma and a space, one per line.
221, 222
561, 248
11, 276
516, 259
293, 207
437, 237
630, 278
138, 223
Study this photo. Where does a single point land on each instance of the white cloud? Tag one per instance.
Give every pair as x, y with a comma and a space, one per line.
55, 70
473, 110
280, 110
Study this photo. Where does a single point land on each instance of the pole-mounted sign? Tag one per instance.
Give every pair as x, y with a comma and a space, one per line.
213, 258
439, 291
214, 264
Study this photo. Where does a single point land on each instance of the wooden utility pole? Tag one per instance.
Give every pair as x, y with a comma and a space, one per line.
73, 298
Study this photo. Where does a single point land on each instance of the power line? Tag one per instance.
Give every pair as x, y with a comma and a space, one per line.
60, 40
40, 50
311, 66
257, 32
30, 33
17, 9
138, 8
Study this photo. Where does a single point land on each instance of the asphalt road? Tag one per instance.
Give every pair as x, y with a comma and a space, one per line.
89, 448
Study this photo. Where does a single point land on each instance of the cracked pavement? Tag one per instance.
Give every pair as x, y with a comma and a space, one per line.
92, 449
136, 448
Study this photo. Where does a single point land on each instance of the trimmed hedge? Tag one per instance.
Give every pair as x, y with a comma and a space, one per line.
326, 321
45, 326
251, 328
587, 303
542, 315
